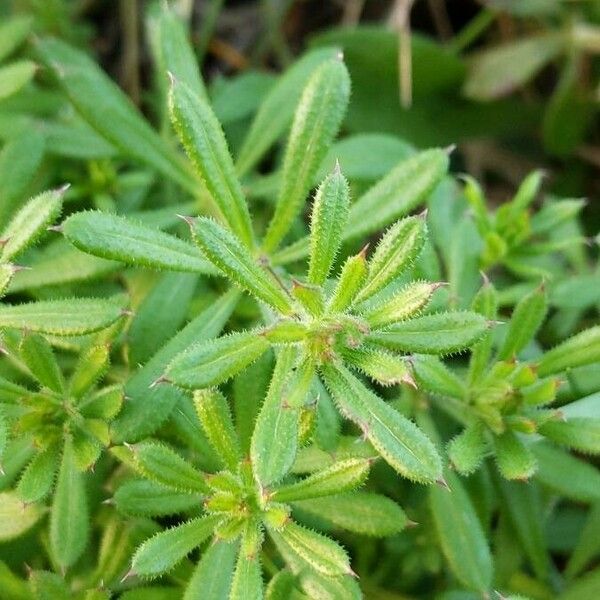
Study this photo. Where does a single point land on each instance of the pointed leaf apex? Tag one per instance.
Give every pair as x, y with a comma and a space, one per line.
337, 169
62, 190
423, 214
172, 79
189, 220
364, 250
450, 149
443, 483
485, 279
409, 380
353, 573
17, 268
492, 323
2, 471
55, 228
128, 575
411, 524
159, 380
340, 55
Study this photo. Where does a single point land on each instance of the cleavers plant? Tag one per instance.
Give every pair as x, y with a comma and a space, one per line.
342, 376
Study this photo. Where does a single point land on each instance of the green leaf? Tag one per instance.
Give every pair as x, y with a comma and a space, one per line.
214, 361
176, 54
227, 253
442, 333
349, 283
407, 186
213, 575
247, 581
515, 460
586, 587
15, 76
461, 536
406, 303
92, 364
48, 586
588, 544
13, 32
399, 441
523, 506
563, 473
108, 110
165, 549
160, 315
37, 354
281, 586
384, 368
16, 519
204, 142
38, 477
581, 349
146, 408
527, 318
119, 238
316, 123
30, 223
499, 71
322, 553
274, 440
329, 214
74, 316
104, 404
20, 159
164, 466
139, 497
395, 253
579, 433
467, 450
341, 476
431, 374
361, 512
215, 417
69, 516
277, 109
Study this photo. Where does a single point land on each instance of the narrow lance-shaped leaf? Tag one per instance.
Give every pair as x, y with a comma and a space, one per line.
204, 142
515, 460
340, 477
277, 109
486, 304
275, 437
13, 33
30, 223
441, 333
316, 123
176, 54
69, 518
467, 450
119, 238
349, 283
528, 316
432, 375
404, 304
461, 536
360, 512
108, 110
91, 366
163, 465
319, 551
75, 316
581, 349
215, 417
407, 186
226, 252
167, 548
399, 441
15, 76
212, 362
329, 214
380, 366
143, 498
579, 433
247, 578
38, 477
395, 253
212, 577
38, 356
